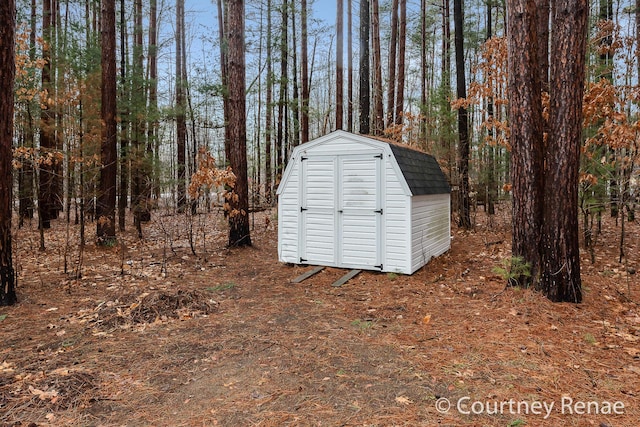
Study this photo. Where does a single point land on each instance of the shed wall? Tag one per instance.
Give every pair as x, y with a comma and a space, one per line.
430, 228
288, 210
396, 223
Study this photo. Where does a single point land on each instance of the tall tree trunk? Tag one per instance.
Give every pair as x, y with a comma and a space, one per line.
349, 66
304, 59
106, 203
283, 94
47, 177
268, 127
239, 215
525, 116
153, 142
365, 71
393, 47
140, 173
543, 10
125, 101
296, 90
181, 122
423, 71
7, 77
463, 125
26, 172
339, 63
560, 278
402, 43
491, 170
378, 113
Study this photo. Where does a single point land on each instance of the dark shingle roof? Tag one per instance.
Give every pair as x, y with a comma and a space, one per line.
421, 171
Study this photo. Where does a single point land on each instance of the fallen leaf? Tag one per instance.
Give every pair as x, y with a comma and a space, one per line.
403, 400
426, 319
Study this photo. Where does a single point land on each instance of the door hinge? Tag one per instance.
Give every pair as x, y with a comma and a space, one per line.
302, 260
378, 266
378, 156
380, 211
302, 209
302, 159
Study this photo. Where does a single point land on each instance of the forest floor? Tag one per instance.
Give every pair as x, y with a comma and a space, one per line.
152, 334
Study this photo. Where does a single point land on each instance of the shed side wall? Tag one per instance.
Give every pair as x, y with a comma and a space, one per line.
288, 216
430, 228
396, 257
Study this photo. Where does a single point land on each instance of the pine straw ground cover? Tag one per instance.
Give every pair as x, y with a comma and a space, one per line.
153, 335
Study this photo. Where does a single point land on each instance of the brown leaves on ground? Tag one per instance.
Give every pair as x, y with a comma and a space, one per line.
153, 335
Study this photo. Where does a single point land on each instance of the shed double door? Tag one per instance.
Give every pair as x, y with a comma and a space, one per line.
341, 210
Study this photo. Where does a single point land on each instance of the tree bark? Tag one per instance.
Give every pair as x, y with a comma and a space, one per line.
393, 47
349, 66
47, 177
525, 116
239, 215
402, 43
378, 113
106, 202
7, 78
365, 70
304, 58
181, 123
339, 64
560, 278
268, 127
125, 110
463, 121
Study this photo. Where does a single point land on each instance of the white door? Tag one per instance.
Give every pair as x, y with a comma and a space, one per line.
318, 210
359, 211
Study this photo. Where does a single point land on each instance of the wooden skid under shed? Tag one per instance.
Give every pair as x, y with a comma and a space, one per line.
307, 274
344, 279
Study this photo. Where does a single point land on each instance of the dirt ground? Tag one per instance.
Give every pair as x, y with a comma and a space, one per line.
152, 334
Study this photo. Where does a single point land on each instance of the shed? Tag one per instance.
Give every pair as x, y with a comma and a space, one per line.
353, 201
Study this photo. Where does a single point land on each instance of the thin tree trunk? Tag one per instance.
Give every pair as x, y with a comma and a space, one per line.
268, 127
393, 45
491, 170
282, 97
463, 121
350, 66
378, 112
181, 123
402, 42
339, 63
239, 215
365, 70
296, 91
152, 131
304, 59
46, 199
560, 277
124, 122
106, 203
423, 71
7, 78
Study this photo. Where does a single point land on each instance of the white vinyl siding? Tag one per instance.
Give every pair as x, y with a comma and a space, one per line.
396, 224
318, 242
430, 227
288, 209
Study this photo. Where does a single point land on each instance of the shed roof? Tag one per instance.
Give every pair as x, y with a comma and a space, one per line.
421, 171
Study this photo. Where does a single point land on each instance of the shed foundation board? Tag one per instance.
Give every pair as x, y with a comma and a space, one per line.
307, 274
344, 279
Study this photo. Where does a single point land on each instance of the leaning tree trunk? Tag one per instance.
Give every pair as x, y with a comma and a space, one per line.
237, 126
7, 76
560, 278
106, 203
527, 156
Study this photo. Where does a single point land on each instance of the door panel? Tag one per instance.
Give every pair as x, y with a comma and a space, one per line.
358, 219
318, 211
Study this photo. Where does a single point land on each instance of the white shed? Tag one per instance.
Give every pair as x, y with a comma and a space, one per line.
352, 201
